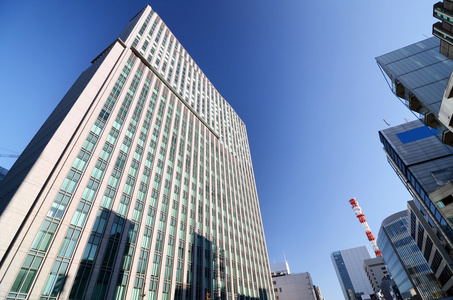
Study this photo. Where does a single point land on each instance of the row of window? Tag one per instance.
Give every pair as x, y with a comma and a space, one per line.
42, 241
80, 216
204, 99
418, 188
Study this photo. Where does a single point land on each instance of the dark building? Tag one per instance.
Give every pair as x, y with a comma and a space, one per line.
444, 29
424, 165
3, 172
418, 75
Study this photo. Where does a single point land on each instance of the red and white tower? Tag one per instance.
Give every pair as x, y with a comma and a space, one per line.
369, 234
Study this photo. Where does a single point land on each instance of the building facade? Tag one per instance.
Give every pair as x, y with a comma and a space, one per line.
318, 293
406, 263
139, 185
444, 29
294, 287
418, 74
289, 286
425, 166
432, 248
376, 272
279, 269
348, 265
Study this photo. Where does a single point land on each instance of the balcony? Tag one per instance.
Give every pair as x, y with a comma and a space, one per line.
442, 33
400, 90
442, 14
414, 104
447, 138
431, 120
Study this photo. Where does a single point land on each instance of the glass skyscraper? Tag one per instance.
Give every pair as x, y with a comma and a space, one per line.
405, 262
424, 165
342, 273
348, 264
418, 75
139, 185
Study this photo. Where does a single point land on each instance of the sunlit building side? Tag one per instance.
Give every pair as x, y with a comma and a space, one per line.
139, 185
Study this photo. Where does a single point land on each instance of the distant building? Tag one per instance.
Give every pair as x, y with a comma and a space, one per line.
294, 287
348, 265
289, 286
318, 293
279, 269
405, 261
389, 290
376, 272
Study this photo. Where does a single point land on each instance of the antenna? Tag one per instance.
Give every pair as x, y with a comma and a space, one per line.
369, 234
388, 124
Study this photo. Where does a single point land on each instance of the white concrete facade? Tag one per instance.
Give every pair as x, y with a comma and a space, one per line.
294, 287
140, 183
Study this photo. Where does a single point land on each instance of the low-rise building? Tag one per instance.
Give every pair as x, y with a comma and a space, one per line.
289, 286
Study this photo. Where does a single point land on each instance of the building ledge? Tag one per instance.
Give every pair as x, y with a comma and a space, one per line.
441, 33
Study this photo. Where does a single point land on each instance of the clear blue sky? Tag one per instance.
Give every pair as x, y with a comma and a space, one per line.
300, 74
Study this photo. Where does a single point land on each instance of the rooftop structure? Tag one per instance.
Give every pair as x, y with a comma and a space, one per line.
291, 286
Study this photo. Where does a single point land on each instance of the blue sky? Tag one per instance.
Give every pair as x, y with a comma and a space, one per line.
302, 76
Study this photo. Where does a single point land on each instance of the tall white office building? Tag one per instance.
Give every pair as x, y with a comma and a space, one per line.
139, 185
348, 265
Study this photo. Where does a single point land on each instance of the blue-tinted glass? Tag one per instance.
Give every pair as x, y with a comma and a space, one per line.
406, 253
438, 217
432, 208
